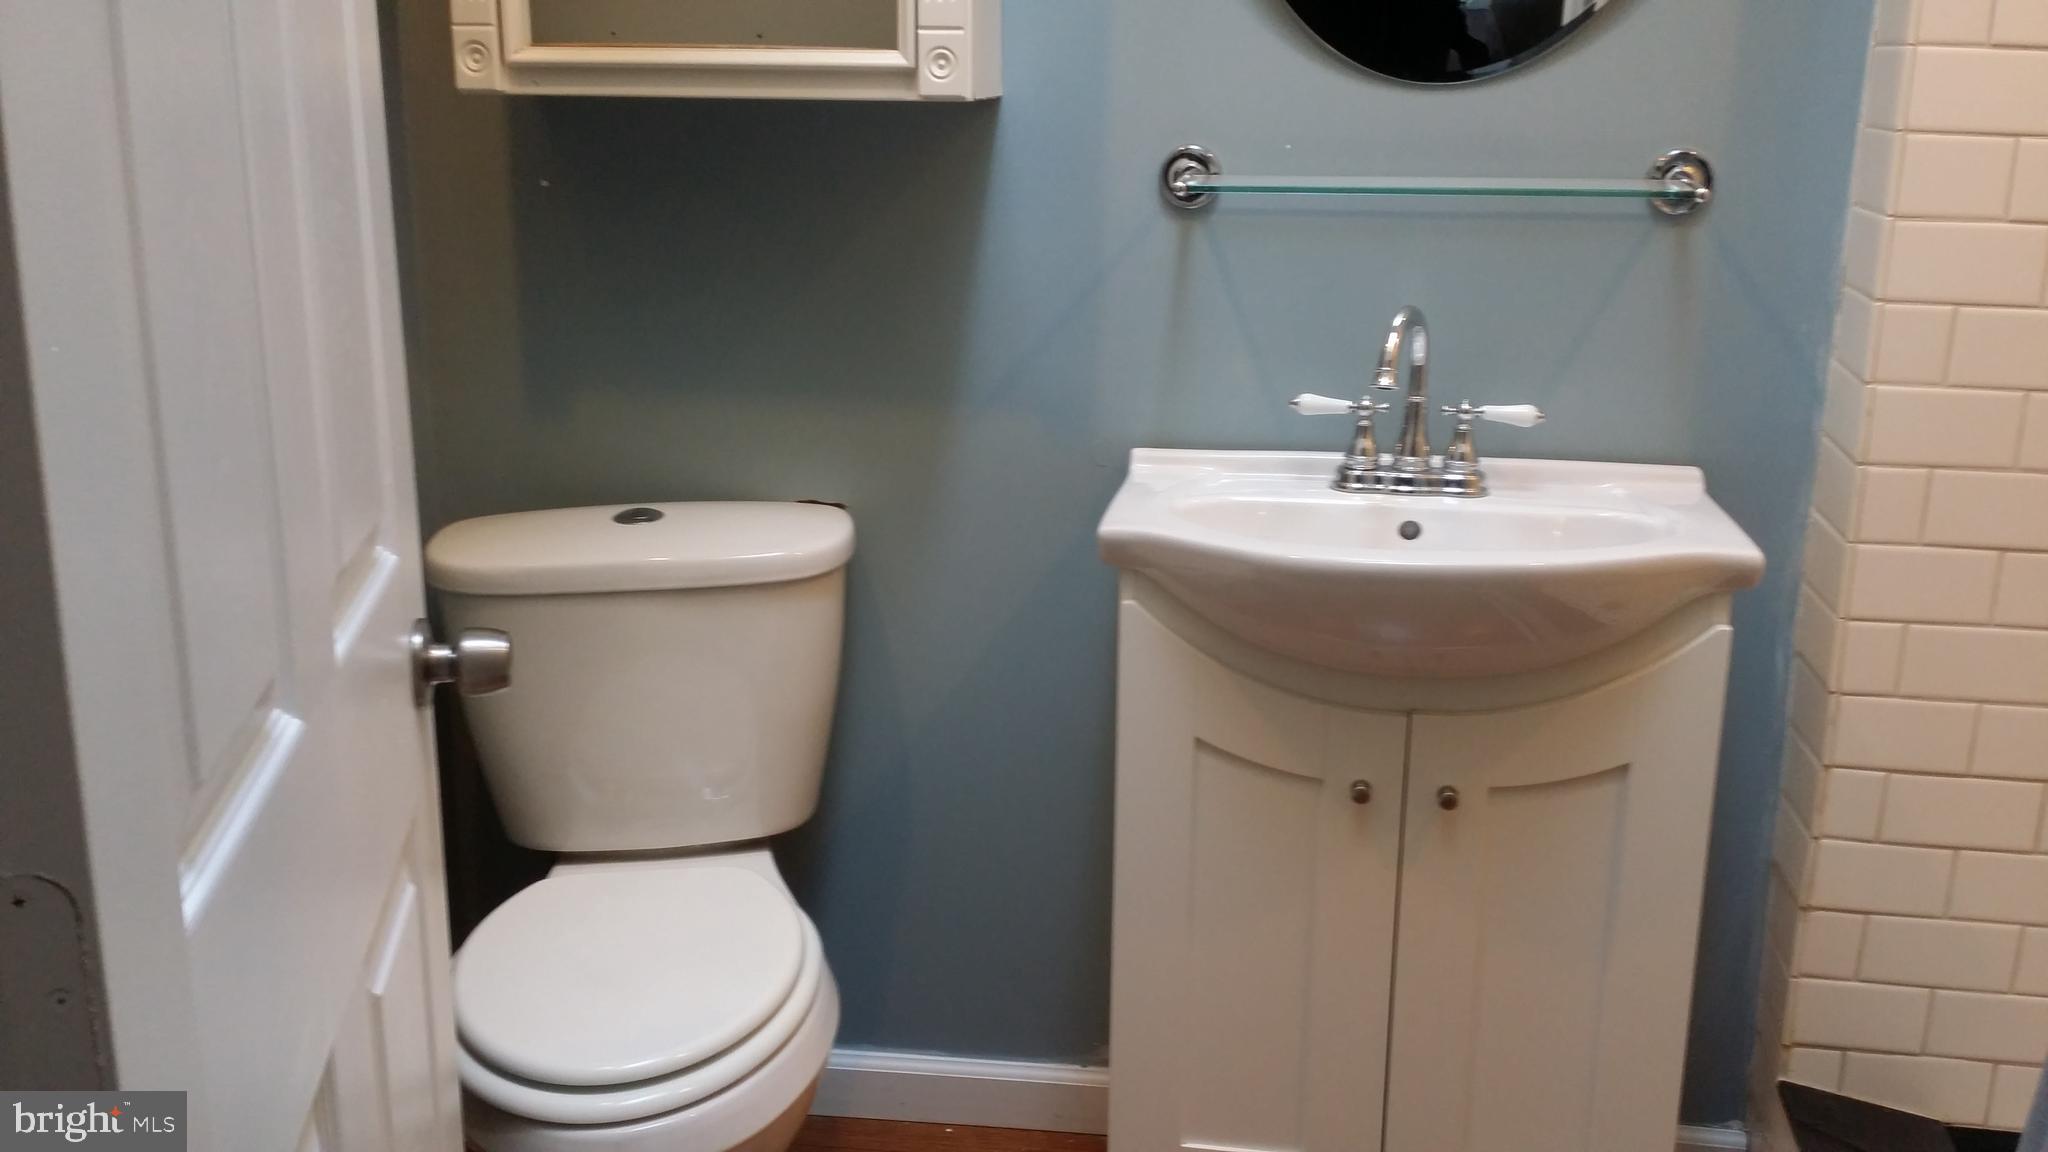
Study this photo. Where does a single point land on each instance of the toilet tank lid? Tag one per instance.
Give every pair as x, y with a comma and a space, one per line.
639, 547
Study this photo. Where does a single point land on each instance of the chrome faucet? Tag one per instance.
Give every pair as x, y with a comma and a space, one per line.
1411, 331
1410, 469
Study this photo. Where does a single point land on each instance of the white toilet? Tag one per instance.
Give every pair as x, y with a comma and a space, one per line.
674, 671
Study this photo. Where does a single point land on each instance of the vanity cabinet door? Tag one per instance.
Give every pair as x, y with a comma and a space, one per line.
1254, 908
1550, 903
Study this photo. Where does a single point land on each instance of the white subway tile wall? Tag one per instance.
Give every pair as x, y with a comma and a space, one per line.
2012, 1088
1954, 22
1799, 780
1978, 1026
1860, 877
1835, 482
2022, 592
1995, 665
2034, 435
1992, 814
2011, 742
1888, 504
1939, 953
1828, 945
1945, 585
2008, 888
1947, 426
1873, 1017
1851, 805
1909, 947
1919, 1083
1866, 656
1843, 409
1988, 510
2023, 22
1912, 339
2032, 975
1819, 1067
2000, 347
1902, 735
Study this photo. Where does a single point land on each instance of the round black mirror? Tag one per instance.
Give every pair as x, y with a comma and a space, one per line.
1444, 41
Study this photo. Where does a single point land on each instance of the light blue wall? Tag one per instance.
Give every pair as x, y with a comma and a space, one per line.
957, 320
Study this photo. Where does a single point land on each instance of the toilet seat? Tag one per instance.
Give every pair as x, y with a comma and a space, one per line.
758, 1114
594, 978
710, 1016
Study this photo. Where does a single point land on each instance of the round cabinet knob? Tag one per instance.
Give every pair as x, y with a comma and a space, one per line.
1447, 798
1361, 791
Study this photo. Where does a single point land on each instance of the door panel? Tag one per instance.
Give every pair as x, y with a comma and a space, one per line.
317, 1136
343, 293
405, 1035
384, 1086
205, 365
209, 284
1547, 921
1254, 908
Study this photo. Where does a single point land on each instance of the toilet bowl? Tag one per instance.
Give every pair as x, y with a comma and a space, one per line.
674, 672
664, 1003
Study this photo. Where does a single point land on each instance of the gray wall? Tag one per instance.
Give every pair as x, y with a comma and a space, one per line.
958, 319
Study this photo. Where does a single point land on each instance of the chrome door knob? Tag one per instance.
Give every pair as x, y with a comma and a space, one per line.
1447, 798
478, 663
1361, 791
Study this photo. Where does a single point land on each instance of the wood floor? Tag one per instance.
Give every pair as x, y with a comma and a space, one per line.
838, 1134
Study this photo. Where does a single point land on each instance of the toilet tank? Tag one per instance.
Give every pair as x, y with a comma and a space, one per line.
674, 667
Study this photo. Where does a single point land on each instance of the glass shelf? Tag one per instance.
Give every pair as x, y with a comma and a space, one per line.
1679, 183
1478, 186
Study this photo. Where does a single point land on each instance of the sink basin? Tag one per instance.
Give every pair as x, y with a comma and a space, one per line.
1563, 558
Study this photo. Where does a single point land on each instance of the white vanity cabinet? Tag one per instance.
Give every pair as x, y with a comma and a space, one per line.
1421, 916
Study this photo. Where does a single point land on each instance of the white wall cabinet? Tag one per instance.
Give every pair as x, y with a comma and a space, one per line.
932, 50
1462, 922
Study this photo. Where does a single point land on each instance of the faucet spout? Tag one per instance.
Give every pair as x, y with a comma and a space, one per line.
1411, 471
1409, 334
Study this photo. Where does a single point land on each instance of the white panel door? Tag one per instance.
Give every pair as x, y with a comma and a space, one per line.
202, 209
1254, 908
1550, 900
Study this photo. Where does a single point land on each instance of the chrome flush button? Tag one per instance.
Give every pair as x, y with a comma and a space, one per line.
637, 516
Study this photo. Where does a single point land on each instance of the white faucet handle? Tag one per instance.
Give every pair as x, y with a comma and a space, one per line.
1520, 415
1310, 404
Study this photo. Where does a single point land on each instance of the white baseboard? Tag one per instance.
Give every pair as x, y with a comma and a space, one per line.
879, 1085
1700, 1138
949, 1090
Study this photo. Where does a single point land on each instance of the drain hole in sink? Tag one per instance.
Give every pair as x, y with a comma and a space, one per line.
1410, 529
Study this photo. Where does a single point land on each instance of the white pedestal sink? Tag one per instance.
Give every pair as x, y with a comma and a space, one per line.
1562, 559
1412, 803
